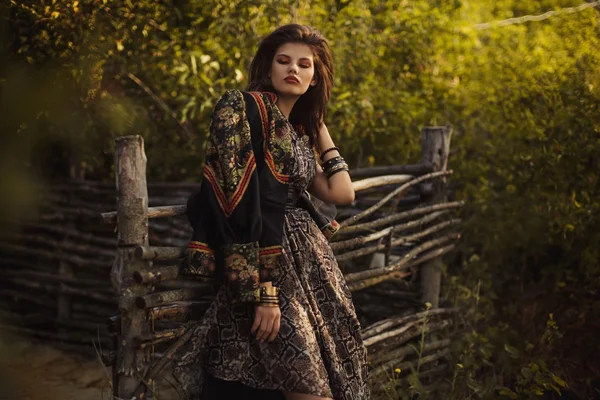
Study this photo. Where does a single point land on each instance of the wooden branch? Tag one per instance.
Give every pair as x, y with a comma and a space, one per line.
108, 357
47, 277
396, 242
380, 181
73, 234
397, 355
19, 295
389, 323
395, 193
388, 247
378, 275
63, 306
85, 339
537, 17
369, 226
87, 310
394, 293
36, 241
162, 298
412, 365
185, 127
113, 324
47, 321
156, 275
396, 274
414, 169
405, 258
144, 341
394, 229
153, 212
358, 285
407, 331
132, 219
159, 253
360, 240
167, 357
171, 231
50, 288
407, 199
177, 312
435, 146
49, 255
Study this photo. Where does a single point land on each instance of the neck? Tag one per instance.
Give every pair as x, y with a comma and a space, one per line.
286, 104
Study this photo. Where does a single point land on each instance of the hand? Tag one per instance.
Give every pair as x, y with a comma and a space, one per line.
266, 323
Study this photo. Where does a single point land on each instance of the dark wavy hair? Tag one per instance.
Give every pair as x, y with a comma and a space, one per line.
309, 111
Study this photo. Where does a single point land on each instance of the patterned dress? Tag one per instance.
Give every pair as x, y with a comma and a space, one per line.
318, 349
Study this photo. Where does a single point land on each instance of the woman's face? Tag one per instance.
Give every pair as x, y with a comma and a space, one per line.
292, 70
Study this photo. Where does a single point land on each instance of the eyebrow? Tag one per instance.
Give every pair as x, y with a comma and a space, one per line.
285, 55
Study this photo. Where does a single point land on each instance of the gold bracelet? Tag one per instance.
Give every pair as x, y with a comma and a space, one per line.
269, 291
268, 304
269, 296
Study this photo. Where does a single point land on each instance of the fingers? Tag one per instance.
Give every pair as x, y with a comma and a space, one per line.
266, 324
265, 329
257, 321
275, 331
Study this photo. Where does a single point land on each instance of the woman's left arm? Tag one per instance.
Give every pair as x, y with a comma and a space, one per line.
338, 188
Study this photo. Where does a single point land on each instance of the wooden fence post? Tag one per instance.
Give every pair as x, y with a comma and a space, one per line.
63, 301
435, 147
132, 224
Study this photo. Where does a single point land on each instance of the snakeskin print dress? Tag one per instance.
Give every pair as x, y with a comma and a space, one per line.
318, 350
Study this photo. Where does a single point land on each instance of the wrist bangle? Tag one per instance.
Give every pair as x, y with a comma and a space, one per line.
332, 161
328, 150
269, 296
336, 167
336, 171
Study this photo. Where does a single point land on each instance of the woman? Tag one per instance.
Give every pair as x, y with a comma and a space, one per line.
283, 323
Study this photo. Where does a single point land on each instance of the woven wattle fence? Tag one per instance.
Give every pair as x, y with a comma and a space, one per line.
76, 264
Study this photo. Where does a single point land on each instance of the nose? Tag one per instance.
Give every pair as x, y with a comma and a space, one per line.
293, 68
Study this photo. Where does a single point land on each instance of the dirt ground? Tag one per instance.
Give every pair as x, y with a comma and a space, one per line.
34, 371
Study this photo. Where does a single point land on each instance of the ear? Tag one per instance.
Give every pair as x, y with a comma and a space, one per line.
313, 82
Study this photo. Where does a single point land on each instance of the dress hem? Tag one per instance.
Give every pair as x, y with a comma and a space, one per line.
229, 379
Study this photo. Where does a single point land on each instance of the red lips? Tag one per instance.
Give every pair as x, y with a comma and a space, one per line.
291, 79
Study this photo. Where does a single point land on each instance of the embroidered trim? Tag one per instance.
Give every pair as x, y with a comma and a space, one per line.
282, 178
200, 246
269, 261
199, 260
330, 229
229, 207
252, 296
265, 251
230, 161
241, 270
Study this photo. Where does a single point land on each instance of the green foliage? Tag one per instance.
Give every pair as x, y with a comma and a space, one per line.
523, 100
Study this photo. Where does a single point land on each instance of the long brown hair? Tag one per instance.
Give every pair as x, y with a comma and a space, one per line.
309, 111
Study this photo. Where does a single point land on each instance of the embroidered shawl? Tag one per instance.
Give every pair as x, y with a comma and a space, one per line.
238, 213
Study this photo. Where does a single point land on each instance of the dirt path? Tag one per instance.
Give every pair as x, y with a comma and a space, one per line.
39, 372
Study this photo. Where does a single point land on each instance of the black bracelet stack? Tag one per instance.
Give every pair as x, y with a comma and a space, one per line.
334, 165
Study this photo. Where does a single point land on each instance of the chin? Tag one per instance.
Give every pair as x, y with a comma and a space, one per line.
290, 91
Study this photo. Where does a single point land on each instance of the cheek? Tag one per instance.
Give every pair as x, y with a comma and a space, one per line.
309, 75
278, 70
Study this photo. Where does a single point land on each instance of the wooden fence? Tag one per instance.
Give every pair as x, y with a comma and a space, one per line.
401, 217
57, 283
